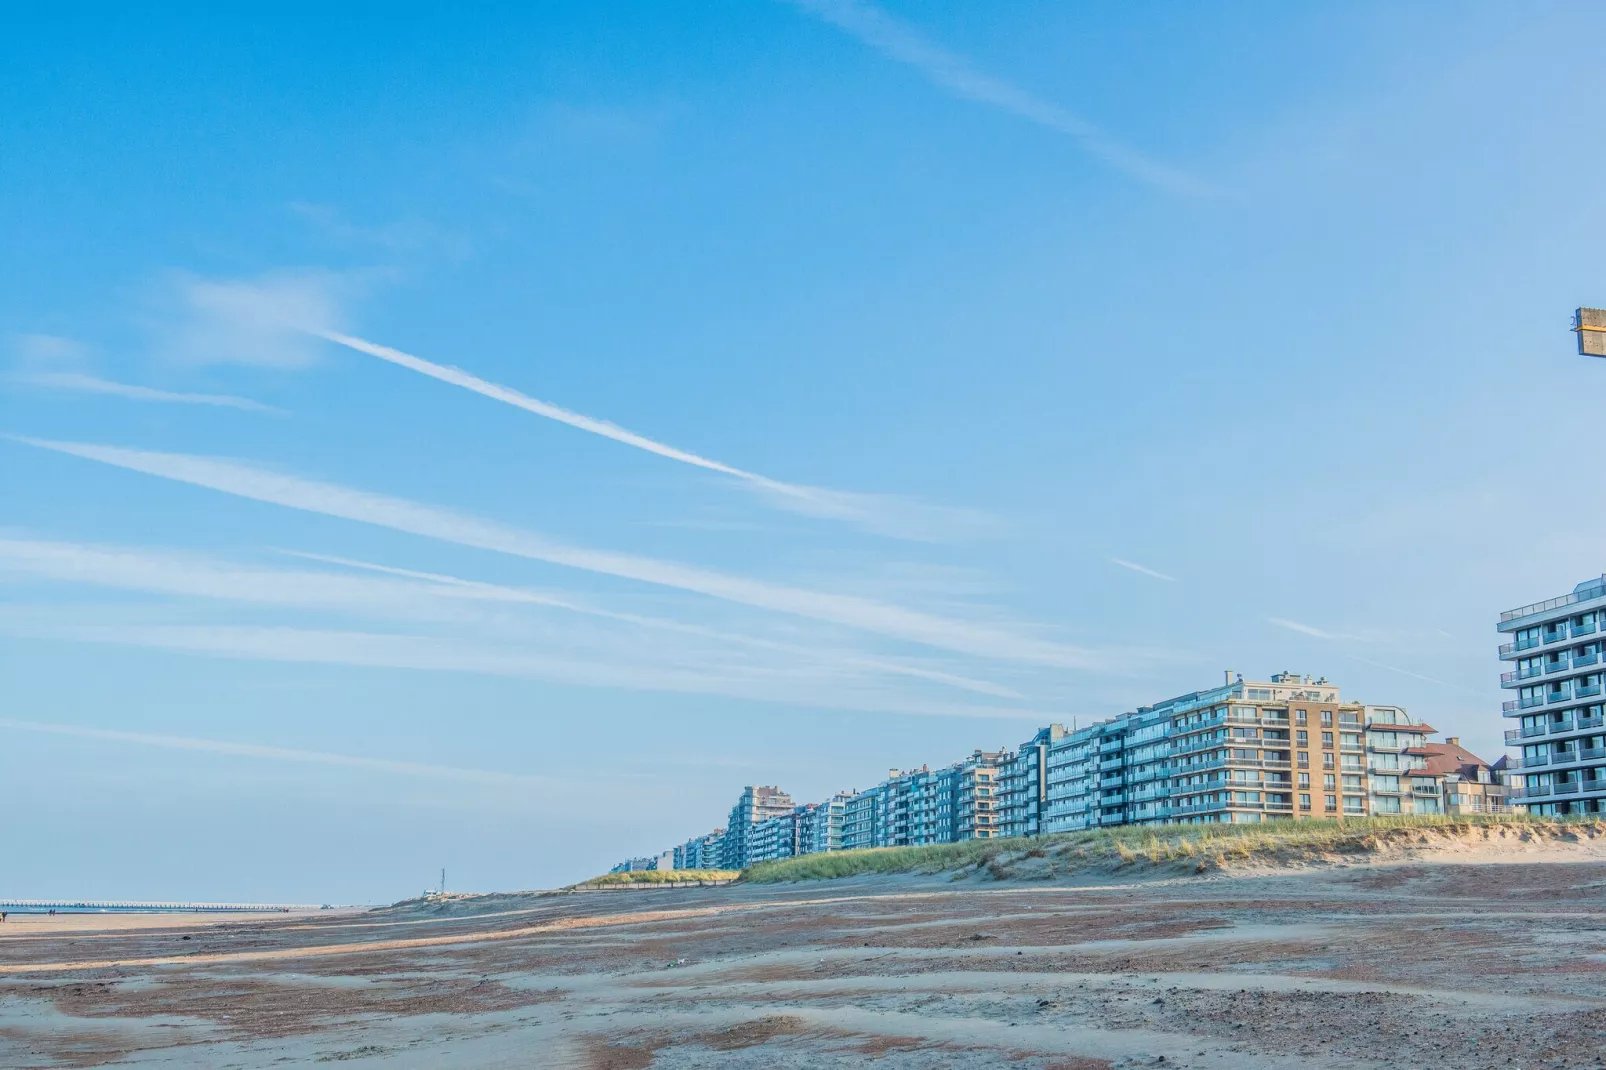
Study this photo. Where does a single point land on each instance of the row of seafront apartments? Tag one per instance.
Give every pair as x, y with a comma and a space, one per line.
1244, 751
1290, 747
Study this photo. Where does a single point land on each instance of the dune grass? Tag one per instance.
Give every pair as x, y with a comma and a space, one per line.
661, 876
1206, 845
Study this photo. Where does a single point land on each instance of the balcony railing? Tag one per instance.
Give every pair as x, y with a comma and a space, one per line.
1581, 660
1583, 594
1589, 720
1557, 696
1587, 691
1569, 788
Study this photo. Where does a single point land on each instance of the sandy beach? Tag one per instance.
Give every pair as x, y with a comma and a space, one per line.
1421, 963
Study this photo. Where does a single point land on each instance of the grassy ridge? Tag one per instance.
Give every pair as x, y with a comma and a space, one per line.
1207, 845
661, 876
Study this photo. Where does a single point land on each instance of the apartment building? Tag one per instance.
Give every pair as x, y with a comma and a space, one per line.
1397, 778
757, 804
977, 800
1244, 751
822, 830
863, 818
700, 852
1560, 765
1250, 750
1023, 783
1072, 776
783, 835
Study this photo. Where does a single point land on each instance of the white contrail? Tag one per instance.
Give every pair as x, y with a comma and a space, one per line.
1135, 567
901, 42
284, 754
1303, 629
881, 514
402, 515
91, 384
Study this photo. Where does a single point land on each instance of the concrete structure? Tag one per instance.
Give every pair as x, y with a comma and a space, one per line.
1244, 751
1470, 785
1248, 751
1556, 650
1397, 777
755, 805
822, 830
700, 852
1072, 775
1023, 783
862, 819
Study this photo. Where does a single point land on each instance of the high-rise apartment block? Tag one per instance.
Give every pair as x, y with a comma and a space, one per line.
1556, 650
756, 804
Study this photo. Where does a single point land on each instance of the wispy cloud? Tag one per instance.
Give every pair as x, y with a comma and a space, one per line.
1145, 570
282, 754
263, 321
90, 384
811, 686
424, 596
1303, 629
899, 41
399, 514
881, 514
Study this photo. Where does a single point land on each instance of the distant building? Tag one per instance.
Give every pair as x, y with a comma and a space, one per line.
700, 852
862, 819
823, 827
1072, 780
755, 805
1471, 785
1556, 650
1023, 784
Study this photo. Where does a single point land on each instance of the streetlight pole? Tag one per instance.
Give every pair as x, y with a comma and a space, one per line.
1589, 324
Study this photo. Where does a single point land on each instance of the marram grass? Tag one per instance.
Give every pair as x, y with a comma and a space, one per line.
1206, 845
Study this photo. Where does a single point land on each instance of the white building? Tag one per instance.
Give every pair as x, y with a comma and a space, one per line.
1556, 650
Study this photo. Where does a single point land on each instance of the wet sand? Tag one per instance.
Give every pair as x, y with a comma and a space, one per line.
1421, 964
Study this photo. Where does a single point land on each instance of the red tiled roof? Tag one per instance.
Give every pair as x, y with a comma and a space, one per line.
1450, 757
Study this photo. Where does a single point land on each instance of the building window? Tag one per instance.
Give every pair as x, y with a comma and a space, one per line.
1327, 739
1327, 760
1331, 802
1327, 718
1302, 738
1299, 716
1304, 780
1328, 782
1304, 802
1304, 758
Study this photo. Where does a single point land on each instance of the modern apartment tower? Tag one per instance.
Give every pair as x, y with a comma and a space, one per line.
756, 804
1556, 648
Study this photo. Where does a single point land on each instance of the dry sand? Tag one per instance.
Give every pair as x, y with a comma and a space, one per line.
1475, 959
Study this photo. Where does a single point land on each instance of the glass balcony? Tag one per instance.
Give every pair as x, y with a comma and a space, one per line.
1509, 705
1563, 725
1556, 696
1589, 720
1581, 660
1583, 629
1569, 788
1586, 691
1557, 666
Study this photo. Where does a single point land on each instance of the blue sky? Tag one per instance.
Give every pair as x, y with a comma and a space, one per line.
838, 387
